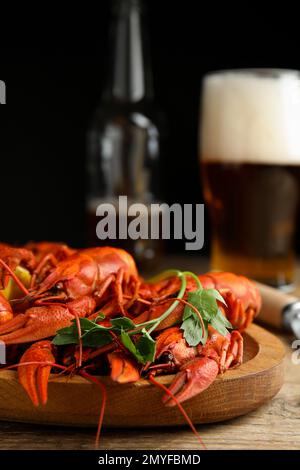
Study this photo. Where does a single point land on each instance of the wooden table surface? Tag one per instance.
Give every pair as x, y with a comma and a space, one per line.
276, 425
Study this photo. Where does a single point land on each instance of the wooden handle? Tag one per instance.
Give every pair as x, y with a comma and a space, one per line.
273, 303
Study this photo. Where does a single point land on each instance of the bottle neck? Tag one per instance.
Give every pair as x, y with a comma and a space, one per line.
129, 80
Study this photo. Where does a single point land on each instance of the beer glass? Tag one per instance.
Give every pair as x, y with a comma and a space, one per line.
250, 164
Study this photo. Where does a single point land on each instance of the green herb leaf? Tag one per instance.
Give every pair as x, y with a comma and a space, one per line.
205, 301
224, 320
143, 350
122, 323
194, 298
86, 324
64, 339
216, 294
220, 323
146, 347
193, 330
128, 343
69, 334
208, 305
68, 330
96, 338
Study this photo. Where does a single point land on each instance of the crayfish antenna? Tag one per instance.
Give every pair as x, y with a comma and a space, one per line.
93, 379
21, 301
180, 407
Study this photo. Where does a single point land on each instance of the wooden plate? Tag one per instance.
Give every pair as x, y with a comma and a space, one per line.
76, 402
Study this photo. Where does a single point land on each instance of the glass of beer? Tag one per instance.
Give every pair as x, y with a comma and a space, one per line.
250, 165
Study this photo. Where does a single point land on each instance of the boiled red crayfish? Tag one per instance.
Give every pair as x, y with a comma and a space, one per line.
72, 285
90, 272
243, 300
101, 275
198, 366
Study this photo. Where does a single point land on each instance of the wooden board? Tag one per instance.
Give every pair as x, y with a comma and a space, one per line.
76, 402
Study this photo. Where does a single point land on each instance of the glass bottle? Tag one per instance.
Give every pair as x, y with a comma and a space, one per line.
124, 139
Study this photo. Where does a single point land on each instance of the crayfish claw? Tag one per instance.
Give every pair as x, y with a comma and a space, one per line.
123, 369
194, 377
34, 374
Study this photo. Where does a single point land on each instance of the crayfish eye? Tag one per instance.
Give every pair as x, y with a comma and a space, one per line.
166, 358
58, 286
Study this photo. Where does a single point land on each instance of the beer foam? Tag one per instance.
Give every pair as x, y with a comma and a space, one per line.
252, 117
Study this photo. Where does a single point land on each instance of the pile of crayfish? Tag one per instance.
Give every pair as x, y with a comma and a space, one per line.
89, 312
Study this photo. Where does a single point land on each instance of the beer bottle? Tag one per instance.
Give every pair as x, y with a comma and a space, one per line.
124, 137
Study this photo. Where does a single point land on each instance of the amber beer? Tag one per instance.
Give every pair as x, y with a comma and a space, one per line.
250, 160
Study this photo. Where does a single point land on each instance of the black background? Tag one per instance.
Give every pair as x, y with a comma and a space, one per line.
54, 66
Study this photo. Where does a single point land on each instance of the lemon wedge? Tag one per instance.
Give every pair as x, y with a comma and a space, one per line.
12, 291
